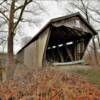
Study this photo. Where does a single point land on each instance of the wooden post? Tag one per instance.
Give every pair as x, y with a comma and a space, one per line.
75, 50
60, 55
53, 59
68, 52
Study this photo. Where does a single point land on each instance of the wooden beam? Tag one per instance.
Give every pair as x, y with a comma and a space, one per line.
68, 52
60, 55
75, 50
69, 63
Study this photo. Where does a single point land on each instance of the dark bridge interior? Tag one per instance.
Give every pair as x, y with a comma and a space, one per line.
66, 44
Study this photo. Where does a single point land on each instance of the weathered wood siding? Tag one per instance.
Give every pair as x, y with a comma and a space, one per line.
72, 23
33, 54
41, 46
30, 55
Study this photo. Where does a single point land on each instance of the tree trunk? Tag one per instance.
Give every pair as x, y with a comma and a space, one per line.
11, 65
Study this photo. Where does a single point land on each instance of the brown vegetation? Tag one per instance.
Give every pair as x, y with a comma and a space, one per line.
89, 59
48, 84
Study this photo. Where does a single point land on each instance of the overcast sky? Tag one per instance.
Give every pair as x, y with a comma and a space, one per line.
51, 9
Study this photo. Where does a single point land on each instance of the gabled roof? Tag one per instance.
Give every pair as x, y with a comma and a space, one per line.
58, 19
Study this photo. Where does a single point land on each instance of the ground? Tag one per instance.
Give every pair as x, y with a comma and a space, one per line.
54, 83
90, 73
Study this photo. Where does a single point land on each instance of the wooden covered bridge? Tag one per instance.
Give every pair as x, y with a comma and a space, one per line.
61, 40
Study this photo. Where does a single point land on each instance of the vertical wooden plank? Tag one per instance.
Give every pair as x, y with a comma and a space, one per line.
60, 55
68, 52
75, 50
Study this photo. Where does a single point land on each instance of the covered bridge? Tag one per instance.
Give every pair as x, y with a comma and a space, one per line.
61, 40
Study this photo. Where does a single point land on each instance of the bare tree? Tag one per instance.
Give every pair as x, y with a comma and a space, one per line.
84, 7
11, 12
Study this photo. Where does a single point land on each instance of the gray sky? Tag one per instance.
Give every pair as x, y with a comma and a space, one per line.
52, 11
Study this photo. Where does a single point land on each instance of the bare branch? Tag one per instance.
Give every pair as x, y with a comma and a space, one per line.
98, 30
85, 9
3, 23
3, 31
3, 18
4, 15
95, 10
2, 2
94, 19
68, 10
4, 7
20, 7
77, 6
38, 5
2, 40
22, 11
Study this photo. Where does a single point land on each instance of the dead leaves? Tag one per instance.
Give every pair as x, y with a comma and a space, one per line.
48, 84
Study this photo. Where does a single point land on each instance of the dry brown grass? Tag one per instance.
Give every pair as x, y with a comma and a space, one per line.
48, 84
